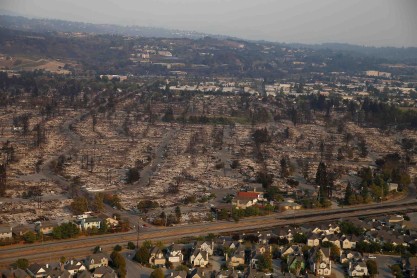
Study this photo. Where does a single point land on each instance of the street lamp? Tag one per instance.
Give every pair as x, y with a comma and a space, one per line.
137, 237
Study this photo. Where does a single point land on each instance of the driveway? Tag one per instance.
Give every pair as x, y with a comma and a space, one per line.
338, 271
134, 269
384, 261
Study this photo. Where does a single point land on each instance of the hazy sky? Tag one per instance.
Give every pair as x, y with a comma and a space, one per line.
363, 22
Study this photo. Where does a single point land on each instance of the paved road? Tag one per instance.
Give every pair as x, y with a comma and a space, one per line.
384, 262
338, 271
83, 246
134, 269
147, 172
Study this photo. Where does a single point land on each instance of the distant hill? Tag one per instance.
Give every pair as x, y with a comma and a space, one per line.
14, 21
404, 54
54, 25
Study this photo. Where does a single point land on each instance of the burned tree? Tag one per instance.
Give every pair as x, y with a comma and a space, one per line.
40, 136
3, 180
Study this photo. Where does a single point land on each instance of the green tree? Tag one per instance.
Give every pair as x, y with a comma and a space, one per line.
65, 230
79, 205
104, 227
29, 237
142, 255
348, 194
334, 252
397, 271
98, 203
113, 200
321, 175
300, 238
348, 228
265, 262
131, 245
119, 263
22, 263
157, 273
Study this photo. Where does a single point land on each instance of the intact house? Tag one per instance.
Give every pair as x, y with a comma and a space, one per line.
350, 256
96, 260
289, 204
45, 228
326, 229
21, 230
105, 272
43, 271
6, 232
199, 258
89, 223
293, 250
175, 254
205, 246
296, 263
349, 242
392, 187
244, 202
313, 240
74, 266
37, 271
357, 269
332, 238
246, 199
157, 257
237, 257
178, 274
319, 261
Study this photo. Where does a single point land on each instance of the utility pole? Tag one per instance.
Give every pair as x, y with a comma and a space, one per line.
137, 237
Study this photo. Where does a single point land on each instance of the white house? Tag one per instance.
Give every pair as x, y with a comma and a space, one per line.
357, 269
175, 254
157, 258
199, 258
5, 232
90, 223
96, 260
205, 246
37, 271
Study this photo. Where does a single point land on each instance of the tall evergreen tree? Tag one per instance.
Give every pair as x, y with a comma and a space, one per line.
321, 175
348, 194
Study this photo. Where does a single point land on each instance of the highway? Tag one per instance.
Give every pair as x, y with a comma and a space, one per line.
79, 247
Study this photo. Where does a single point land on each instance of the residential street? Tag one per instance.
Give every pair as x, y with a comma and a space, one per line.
384, 261
135, 270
